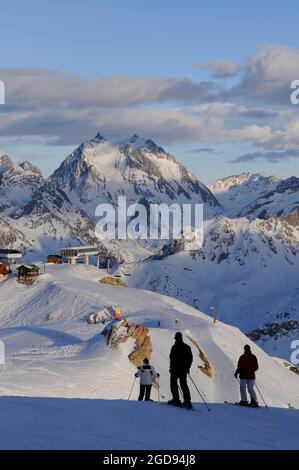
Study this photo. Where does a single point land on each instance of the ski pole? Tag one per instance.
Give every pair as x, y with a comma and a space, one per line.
132, 388
158, 389
261, 396
181, 393
200, 394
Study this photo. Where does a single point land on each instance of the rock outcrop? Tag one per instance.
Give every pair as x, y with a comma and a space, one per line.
113, 281
121, 331
206, 368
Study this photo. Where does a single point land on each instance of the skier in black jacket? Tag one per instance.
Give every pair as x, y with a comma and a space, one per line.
180, 362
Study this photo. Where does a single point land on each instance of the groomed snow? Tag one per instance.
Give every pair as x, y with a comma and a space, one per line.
66, 359
58, 423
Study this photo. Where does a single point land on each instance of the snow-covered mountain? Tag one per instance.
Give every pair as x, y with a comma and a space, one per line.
281, 200
47, 214
53, 353
257, 196
99, 171
237, 191
248, 270
36, 216
18, 182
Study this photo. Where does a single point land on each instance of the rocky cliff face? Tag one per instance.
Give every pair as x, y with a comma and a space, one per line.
121, 331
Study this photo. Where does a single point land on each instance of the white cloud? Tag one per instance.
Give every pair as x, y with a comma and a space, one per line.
43, 87
222, 68
66, 108
268, 74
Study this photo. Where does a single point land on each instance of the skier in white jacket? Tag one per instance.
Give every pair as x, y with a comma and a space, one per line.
146, 373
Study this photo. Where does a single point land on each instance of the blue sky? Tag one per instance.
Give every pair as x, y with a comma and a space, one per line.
162, 39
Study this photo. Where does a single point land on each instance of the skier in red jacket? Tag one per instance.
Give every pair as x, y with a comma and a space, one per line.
247, 366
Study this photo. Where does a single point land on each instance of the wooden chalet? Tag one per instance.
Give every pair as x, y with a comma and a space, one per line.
54, 259
27, 274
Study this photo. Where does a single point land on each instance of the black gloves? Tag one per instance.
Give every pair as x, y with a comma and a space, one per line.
236, 374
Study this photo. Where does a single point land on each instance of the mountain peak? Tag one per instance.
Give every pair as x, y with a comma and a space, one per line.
30, 167
98, 138
136, 142
137, 167
5, 163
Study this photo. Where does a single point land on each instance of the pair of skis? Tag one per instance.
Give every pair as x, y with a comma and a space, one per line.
176, 406
237, 403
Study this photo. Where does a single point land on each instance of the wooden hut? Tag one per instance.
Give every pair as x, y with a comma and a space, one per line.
27, 274
54, 259
4, 270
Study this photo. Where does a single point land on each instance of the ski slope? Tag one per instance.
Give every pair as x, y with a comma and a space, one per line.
58, 423
61, 375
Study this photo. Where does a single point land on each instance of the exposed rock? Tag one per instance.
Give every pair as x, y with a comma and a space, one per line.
206, 368
143, 346
113, 281
122, 331
96, 318
274, 330
292, 368
29, 166
170, 248
293, 218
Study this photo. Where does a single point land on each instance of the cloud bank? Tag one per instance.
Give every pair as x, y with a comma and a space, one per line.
66, 108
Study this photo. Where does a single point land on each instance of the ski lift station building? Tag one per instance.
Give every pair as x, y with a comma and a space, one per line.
72, 254
8, 257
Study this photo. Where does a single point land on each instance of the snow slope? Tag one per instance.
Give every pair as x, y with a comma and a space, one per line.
68, 358
58, 423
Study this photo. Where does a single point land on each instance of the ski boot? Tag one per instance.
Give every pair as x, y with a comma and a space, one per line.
243, 403
188, 406
174, 403
253, 404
